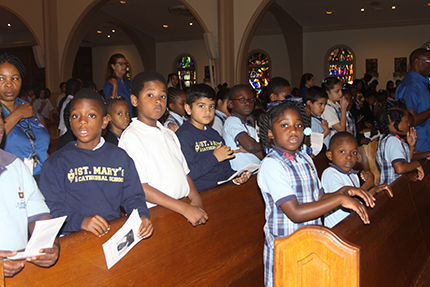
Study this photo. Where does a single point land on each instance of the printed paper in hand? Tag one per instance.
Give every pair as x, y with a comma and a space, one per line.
123, 240
250, 167
317, 140
43, 236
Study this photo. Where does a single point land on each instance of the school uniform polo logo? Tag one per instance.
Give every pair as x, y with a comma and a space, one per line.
21, 203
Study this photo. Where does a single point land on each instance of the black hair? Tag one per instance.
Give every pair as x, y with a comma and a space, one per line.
339, 135
391, 112
73, 85
305, 77
236, 89
387, 87
370, 93
417, 54
276, 86
6, 58
143, 77
222, 94
173, 95
329, 83
37, 93
89, 95
110, 102
315, 93
200, 91
62, 83
266, 120
89, 85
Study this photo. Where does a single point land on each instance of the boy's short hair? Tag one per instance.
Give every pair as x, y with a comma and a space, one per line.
236, 89
90, 95
200, 91
277, 85
110, 102
370, 93
340, 135
315, 93
146, 76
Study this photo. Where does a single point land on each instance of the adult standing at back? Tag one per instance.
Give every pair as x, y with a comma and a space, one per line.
117, 85
306, 81
414, 89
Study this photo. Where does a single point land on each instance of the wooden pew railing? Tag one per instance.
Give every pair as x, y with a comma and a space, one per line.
226, 251
393, 250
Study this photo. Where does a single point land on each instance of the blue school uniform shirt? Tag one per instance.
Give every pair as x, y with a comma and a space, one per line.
391, 149
317, 128
334, 178
20, 145
284, 177
124, 90
351, 123
234, 127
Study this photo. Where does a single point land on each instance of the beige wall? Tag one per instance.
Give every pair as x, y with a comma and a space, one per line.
384, 44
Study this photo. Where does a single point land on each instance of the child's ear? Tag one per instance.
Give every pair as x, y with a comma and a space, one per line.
134, 100
270, 134
329, 155
105, 121
230, 104
109, 117
187, 109
308, 103
170, 106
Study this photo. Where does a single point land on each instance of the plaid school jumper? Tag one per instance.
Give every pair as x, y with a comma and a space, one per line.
301, 175
388, 174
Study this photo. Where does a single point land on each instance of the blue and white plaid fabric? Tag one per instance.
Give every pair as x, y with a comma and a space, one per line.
289, 178
351, 123
391, 149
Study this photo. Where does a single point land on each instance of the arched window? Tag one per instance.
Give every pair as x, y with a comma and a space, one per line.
186, 69
258, 70
340, 63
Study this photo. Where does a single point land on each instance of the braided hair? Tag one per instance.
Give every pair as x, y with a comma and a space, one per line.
391, 112
6, 58
266, 120
173, 94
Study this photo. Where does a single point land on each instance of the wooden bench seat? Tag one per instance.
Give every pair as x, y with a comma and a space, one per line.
392, 251
226, 251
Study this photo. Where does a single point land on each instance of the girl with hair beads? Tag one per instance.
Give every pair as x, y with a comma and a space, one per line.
335, 110
395, 152
119, 118
289, 182
175, 103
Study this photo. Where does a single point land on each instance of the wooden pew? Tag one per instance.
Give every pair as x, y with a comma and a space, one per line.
226, 251
392, 251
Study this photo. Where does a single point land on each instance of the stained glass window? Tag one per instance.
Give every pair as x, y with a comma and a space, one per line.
258, 71
340, 65
186, 71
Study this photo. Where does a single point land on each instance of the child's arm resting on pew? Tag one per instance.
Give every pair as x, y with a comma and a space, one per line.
96, 225
10, 268
146, 228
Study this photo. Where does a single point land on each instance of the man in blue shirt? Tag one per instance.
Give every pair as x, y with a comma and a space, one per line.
414, 89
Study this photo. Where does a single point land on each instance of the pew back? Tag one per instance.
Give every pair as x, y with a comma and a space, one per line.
226, 251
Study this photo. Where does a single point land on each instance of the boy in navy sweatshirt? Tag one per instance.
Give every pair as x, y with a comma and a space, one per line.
205, 151
89, 180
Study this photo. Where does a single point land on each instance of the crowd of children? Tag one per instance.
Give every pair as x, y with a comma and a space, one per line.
159, 158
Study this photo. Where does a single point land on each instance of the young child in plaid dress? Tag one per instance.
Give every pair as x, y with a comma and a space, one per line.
289, 182
396, 147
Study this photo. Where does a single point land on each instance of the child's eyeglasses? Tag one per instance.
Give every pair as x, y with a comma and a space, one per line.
243, 100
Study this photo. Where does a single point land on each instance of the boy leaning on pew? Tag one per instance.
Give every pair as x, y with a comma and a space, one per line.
90, 180
21, 205
343, 154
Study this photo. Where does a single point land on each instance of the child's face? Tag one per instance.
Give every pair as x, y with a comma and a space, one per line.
371, 100
10, 82
287, 131
281, 95
119, 116
336, 93
403, 125
317, 108
174, 80
242, 103
151, 102
178, 105
201, 112
343, 153
348, 97
42, 94
87, 122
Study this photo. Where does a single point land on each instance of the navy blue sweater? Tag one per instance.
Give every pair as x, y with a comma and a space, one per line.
79, 183
198, 146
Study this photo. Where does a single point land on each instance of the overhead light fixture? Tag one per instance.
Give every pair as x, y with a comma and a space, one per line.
99, 31
9, 25
108, 35
113, 30
122, 1
328, 12
393, 7
191, 24
362, 9
165, 26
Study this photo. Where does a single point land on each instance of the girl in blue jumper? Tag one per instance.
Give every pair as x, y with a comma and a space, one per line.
396, 147
289, 182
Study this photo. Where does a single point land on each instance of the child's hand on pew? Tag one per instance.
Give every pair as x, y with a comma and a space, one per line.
368, 199
243, 178
381, 188
366, 175
146, 228
195, 215
355, 205
420, 174
96, 225
49, 258
10, 268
